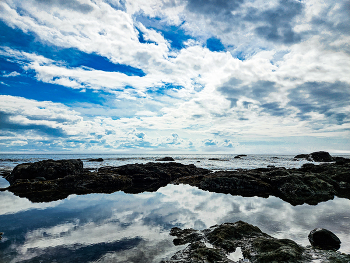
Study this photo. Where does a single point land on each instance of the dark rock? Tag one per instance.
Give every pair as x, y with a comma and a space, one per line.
214, 159
301, 156
48, 169
324, 239
321, 157
131, 178
226, 238
40, 178
96, 160
316, 157
1, 233
165, 159
256, 246
310, 184
341, 160
239, 156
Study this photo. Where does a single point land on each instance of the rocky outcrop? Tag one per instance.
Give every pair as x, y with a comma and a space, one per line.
311, 184
217, 242
131, 178
165, 159
316, 157
324, 239
48, 169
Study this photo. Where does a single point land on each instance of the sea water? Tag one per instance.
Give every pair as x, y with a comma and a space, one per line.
122, 227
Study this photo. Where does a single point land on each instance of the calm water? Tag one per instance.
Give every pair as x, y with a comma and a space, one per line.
123, 227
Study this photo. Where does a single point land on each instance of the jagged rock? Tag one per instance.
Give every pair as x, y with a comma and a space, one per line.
48, 169
324, 239
215, 243
165, 159
226, 238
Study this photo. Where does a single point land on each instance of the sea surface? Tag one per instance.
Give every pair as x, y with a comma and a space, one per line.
122, 227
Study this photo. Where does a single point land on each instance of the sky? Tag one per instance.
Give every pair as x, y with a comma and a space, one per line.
177, 76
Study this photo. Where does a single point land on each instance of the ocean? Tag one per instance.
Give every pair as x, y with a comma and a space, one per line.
122, 227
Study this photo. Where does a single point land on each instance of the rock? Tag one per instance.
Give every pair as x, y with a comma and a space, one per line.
239, 156
48, 169
165, 159
321, 157
96, 160
131, 178
301, 156
214, 159
324, 239
316, 157
215, 243
226, 238
1, 233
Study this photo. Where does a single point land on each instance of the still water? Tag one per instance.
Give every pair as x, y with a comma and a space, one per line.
123, 227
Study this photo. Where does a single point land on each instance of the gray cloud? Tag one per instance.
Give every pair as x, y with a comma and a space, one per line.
321, 97
219, 8
70, 4
274, 109
259, 90
7, 124
278, 22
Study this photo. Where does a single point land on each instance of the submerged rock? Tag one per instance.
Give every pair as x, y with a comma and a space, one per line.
324, 239
217, 242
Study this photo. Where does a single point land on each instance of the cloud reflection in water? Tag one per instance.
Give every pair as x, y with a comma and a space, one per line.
122, 227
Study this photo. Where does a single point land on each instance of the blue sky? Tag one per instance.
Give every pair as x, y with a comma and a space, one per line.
194, 76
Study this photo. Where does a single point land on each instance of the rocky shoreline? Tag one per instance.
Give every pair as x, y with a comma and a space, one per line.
51, 180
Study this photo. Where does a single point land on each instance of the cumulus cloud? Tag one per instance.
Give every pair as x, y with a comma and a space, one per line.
207, 71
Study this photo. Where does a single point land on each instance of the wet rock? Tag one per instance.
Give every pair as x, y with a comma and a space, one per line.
48, 169
165, 159
321, 157
324, 239
217, 242
226, 238
131, 178
301, 156
240, 156
316, 157
96, 160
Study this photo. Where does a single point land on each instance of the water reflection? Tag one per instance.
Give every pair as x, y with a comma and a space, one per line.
122, 227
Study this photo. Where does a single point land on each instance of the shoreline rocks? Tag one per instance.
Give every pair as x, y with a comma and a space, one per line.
217, 242
52, 180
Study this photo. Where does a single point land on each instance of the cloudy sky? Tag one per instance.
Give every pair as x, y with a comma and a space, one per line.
233, 76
